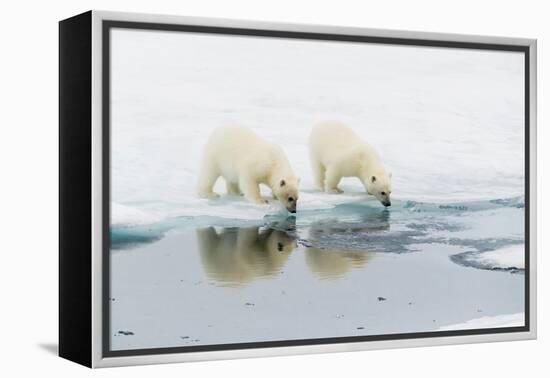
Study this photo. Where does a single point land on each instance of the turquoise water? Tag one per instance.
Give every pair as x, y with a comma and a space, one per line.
357, 268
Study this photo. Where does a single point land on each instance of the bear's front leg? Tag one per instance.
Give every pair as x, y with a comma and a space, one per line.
233, 188
251, 190
332, 179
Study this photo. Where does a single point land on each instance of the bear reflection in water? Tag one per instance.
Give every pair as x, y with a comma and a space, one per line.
234, 256
335, 263
336, 248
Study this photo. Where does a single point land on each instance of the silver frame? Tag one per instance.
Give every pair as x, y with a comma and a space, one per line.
97, 358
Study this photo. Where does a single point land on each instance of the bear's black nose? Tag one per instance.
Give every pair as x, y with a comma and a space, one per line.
387, 204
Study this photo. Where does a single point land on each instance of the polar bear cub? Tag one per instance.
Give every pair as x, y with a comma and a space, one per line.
336, 152
245, 161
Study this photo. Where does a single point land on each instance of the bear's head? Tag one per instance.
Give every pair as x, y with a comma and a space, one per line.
280, 243
379, 185
286, 191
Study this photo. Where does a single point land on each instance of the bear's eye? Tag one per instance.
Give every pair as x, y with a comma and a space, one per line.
290, 199
383, 193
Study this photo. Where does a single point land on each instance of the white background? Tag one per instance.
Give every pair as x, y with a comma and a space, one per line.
28, 86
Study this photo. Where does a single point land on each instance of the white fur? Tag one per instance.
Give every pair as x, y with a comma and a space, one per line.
245, 160
336, 152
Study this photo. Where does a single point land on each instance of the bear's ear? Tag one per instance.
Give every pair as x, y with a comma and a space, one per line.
373, 179
282, 183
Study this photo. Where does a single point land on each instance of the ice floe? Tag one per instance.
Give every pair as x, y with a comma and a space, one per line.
499, 321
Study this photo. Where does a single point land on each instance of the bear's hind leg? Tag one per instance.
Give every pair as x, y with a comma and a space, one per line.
332, 179
208, 239
318, 174
207, 179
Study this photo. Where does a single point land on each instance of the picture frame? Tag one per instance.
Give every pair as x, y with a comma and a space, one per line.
86, 106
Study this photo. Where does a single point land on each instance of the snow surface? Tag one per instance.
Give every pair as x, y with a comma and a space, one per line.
503, 258
499, 321
130, 216
448, 123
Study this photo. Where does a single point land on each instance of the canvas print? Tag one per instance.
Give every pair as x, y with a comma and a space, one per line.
270, 189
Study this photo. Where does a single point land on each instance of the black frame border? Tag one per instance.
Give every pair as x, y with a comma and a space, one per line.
75, 189
108, 25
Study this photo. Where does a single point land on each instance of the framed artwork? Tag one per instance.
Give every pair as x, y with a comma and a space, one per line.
232, 189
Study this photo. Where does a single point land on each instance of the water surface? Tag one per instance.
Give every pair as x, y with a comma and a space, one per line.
353, 270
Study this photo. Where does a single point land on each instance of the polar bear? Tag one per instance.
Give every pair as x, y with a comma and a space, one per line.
245, 160
336, 152
235, 256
